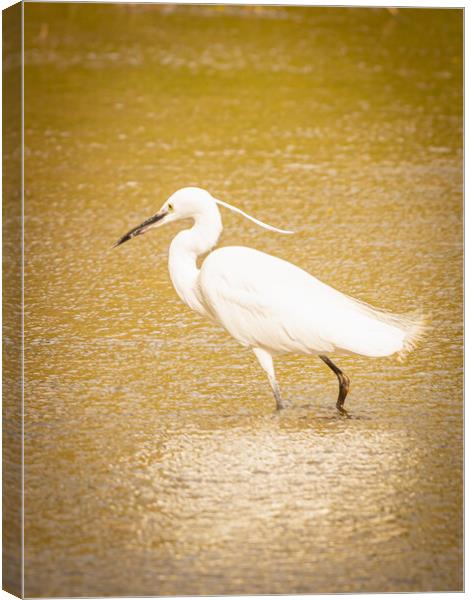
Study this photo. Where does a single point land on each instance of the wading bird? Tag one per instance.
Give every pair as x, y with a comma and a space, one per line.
266, 303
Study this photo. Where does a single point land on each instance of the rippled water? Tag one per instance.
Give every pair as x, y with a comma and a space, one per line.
155, 461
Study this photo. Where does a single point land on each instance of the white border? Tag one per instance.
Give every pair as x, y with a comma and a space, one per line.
356, 3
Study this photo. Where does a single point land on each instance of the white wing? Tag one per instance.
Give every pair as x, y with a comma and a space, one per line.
264, 301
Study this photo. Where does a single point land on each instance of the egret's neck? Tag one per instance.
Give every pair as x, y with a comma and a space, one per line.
184, 250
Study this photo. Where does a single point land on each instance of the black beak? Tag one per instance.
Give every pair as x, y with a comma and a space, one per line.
142, 228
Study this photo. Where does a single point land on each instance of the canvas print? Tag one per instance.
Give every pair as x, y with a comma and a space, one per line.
232, 299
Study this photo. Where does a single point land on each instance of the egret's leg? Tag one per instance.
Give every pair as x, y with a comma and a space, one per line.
343, 383
266, 362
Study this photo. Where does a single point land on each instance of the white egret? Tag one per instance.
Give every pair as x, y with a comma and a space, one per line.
269, 304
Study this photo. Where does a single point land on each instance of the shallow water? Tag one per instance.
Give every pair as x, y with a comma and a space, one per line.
155, 461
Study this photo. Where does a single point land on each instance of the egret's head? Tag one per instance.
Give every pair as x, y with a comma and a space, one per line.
187, 203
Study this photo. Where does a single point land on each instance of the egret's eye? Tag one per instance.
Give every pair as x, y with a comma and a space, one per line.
170, 207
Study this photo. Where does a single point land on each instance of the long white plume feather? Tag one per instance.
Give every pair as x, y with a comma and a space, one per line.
244, 214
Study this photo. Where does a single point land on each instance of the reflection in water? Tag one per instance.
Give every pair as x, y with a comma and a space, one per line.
155, 463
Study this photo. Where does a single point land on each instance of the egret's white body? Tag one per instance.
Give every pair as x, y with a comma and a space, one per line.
267, 303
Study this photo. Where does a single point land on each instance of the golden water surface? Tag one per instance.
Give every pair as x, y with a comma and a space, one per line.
155, 460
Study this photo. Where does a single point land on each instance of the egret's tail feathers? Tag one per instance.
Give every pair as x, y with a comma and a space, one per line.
415, 325
403, 333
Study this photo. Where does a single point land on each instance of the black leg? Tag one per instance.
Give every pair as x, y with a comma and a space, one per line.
343, 383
